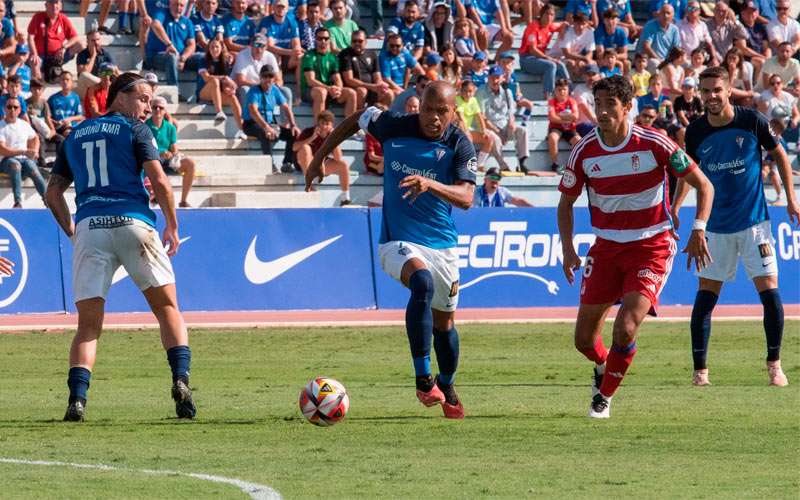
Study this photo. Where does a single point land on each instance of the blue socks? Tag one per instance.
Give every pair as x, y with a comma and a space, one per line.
78, 383
122, 20
773, 322
446, 346
180, 358
419, 320
704, 303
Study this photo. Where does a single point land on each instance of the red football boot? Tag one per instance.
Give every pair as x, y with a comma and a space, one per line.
431, 398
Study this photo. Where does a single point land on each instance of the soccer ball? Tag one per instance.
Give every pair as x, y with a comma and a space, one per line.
324, 401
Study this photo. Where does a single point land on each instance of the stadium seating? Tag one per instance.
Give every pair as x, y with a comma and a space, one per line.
234, 173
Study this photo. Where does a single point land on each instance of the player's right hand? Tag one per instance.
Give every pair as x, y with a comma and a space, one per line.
170, 240
571, 264
6, 267
315, 170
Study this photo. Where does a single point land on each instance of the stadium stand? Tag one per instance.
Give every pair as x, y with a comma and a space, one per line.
233, 172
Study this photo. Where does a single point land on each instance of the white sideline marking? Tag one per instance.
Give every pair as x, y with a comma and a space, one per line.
256, 491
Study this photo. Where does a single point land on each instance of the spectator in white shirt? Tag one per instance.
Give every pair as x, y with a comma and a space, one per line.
776, 103
583, 95
784, 28
19, 147
694, 31
783, 64
577, 44
247, 68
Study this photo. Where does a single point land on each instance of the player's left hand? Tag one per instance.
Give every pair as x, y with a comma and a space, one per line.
171, 240
697, 250
794, 212
415, 185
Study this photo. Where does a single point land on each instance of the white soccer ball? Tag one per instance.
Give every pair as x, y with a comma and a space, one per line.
324, 401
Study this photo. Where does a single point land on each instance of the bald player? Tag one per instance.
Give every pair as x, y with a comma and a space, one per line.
430, 167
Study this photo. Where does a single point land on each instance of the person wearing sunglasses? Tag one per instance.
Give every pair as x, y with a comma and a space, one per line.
173, 162
321, 80
785, 66
19, 148
784, 28
777, 103
397, 64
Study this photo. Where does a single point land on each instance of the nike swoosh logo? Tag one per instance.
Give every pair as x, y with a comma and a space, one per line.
259, 272
398, 145
121, 273
706, 150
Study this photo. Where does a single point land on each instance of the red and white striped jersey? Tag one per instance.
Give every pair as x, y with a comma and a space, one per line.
627, 184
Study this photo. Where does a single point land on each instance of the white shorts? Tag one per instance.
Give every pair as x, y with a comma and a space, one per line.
103, 243
493, 30
756, 247
442, 263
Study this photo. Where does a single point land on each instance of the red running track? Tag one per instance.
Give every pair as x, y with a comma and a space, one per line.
350, 317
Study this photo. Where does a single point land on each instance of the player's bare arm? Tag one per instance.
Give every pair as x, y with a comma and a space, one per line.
316, 169
566, 224
56, 187
459, 194
163, 191
785, 171
696, 248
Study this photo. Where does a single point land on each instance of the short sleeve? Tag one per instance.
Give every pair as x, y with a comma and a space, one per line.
294, 30
144, 144
280, 99
307, 63
83, 57
465, 161
251, 97
573, 178
410, 61
190, 29
672, 157
766, 138
386, 70
61, 165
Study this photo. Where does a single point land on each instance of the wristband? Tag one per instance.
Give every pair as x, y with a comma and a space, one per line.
699, 225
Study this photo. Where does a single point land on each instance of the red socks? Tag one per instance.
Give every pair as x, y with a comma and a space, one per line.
597, 353
619, 359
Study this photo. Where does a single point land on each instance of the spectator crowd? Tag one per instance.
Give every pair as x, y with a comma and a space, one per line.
258, 60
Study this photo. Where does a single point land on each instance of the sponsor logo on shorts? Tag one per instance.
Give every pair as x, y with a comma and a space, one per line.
453, 289
12, 247
648, 274
765, 249
109, 221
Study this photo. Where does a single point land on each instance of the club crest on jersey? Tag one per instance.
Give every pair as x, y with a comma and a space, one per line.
739, 141
440, 154
472, 165
635, 162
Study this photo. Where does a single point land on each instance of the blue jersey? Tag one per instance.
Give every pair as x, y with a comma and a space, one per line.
210, 28
240, 30
282, 34
428, 221
648, 100
6, 30
413, 37
63, 106
105, 157
623, 7
394, 67
486, 9
730, 156
157, 9
479, 79
267, 102
24, 74
180, 31
579, 7
617, 39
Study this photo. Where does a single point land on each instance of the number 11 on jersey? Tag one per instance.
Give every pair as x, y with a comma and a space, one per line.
88, 148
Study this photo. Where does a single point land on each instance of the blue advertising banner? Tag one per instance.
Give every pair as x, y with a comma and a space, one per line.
242, 259
511, 257
30, 239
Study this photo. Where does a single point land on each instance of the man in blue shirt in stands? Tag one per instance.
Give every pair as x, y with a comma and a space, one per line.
396, 64
283, 35
658, 37
239, 29
171, 58
411, 31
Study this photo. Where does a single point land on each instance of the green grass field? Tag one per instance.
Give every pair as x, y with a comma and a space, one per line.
524, 387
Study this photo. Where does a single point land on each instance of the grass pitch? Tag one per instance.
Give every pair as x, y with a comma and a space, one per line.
524, 387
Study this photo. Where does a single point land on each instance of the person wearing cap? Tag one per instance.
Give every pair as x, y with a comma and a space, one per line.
688, 107
416, 90
321, 79
479, 74
94, 103
432, 66
611, 36
584, 96
411, 31
524, 106
89, 61
52, 39
439, 26
19, 147
340, 28
248, 64
498, 108
283, 35
577, 44
21, 69
533, 52
239, 29
261, 120
693, 31
171, 58
491, 23
8, 40
397, 64
65, 106
172, 160
492, 194
360, 72
784, 28
755, 47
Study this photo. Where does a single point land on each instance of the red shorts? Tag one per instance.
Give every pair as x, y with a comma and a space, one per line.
614, 269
